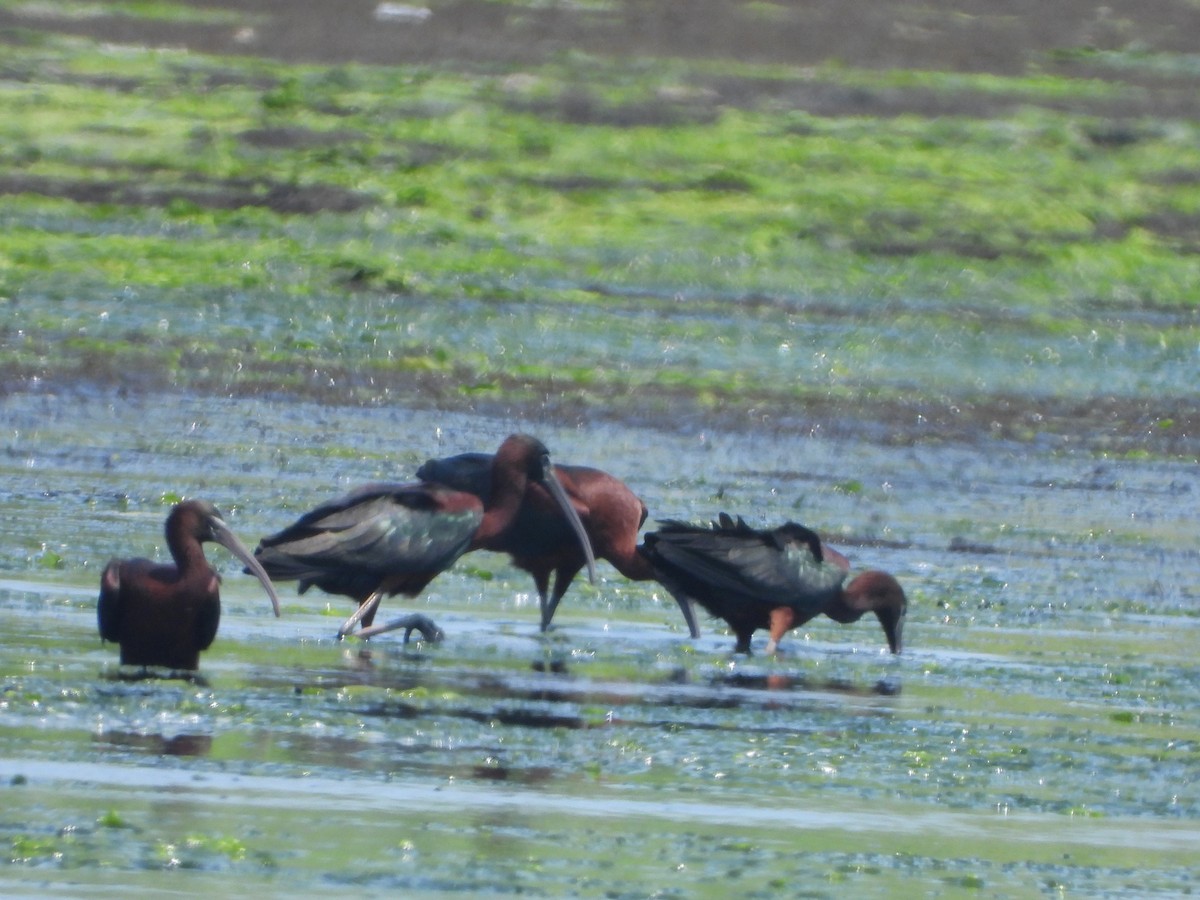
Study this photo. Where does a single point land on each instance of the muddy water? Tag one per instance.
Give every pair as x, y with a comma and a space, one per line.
1037, 738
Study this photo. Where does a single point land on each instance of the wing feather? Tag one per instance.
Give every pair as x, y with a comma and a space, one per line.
733, 564
108, 607
375, 530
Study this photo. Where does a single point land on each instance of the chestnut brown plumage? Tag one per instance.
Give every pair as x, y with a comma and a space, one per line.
165, 615
538, 540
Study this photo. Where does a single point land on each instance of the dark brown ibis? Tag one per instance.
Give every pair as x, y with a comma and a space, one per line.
539, 541
387, 539
776, 579
162, 614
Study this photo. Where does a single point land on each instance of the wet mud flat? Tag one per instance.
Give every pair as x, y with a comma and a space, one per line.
1036, 737
476, 32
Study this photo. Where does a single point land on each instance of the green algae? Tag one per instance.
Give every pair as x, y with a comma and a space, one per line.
289, 192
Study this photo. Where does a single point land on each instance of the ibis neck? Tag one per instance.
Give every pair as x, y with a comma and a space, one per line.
501, 509
187, 552
841, 610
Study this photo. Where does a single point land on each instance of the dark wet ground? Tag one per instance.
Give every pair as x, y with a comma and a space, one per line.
967, 37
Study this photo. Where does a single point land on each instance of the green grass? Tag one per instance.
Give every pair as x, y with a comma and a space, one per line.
186, 217
471, 189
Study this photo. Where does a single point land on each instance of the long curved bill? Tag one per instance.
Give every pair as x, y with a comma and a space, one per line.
554, 486
227, 539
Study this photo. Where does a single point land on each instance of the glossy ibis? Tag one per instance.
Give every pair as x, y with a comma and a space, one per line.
776, 579
386, 539
538, 541
162, 614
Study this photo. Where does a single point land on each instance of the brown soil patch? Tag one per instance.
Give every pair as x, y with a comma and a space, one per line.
965, 35
203, 193
478, 34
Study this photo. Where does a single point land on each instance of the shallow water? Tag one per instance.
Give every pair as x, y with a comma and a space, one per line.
1037, 737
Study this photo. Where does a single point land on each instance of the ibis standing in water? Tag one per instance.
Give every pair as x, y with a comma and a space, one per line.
539, 540
162, 614
385, 539
776, 579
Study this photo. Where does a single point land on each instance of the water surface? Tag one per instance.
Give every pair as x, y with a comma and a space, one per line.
1036, 738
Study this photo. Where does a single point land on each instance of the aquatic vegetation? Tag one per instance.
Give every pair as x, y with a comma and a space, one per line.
341, 217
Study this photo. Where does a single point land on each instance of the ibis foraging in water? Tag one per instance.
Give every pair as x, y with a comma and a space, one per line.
385, 539
776, 579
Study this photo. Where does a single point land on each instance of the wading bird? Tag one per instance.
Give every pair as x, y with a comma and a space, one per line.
775, 579
162, 614
538, 541
386, 539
